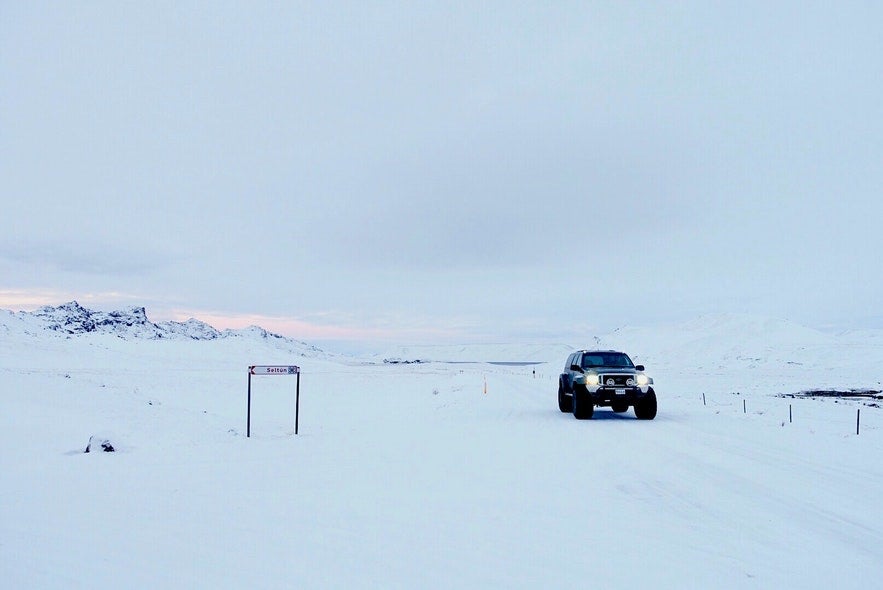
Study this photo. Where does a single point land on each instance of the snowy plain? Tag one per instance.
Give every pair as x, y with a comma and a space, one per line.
450, 473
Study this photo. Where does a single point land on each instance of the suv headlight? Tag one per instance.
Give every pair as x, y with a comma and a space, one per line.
643, 380
592, 379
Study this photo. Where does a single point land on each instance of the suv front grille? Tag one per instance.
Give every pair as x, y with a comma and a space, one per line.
618, 380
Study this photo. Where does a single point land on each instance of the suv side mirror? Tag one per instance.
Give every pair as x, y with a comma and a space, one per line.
575, 367
639, 367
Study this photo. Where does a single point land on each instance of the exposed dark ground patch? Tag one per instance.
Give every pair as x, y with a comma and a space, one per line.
864, 395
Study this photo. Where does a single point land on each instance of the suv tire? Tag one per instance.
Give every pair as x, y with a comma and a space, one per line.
645, 408
565, 404
583, 406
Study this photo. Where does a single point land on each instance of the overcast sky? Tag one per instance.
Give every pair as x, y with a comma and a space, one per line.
422, 172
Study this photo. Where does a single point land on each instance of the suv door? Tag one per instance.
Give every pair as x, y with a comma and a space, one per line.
568, 374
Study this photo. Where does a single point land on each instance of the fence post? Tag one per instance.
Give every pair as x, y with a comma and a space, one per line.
297, 402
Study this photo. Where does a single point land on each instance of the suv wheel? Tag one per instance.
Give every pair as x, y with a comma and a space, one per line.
619, 407
583, 406
565, 404
645, 407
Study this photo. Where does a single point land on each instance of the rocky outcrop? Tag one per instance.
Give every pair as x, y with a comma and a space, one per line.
71, 319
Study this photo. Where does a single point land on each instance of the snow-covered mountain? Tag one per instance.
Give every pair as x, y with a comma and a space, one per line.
71, 319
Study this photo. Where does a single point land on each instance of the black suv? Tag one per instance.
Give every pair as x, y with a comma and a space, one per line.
605, 378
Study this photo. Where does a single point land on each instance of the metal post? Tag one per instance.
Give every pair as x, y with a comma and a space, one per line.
858, 414
297, 403
248, 420
744, 411
789, 413
703, 398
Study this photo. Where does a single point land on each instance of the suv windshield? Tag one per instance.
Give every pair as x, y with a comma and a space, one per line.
606, 359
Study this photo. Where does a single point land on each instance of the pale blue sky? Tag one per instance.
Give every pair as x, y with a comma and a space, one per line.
444, 171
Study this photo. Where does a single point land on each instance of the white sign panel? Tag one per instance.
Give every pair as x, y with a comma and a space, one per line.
274, 370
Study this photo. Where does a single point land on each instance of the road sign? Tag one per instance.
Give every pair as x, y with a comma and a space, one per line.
274, 370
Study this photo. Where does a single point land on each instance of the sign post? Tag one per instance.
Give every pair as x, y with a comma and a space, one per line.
273, 370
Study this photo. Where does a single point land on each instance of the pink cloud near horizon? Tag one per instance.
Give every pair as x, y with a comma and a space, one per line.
307, 330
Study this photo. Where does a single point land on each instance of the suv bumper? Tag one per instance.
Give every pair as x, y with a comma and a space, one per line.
604, 396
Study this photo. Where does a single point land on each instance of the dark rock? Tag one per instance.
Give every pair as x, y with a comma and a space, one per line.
99, 444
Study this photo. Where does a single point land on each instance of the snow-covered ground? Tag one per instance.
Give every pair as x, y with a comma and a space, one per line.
411, 476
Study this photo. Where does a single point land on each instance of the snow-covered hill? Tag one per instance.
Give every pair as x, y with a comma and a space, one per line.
734, 352
479, 353
132, 323
733, 348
